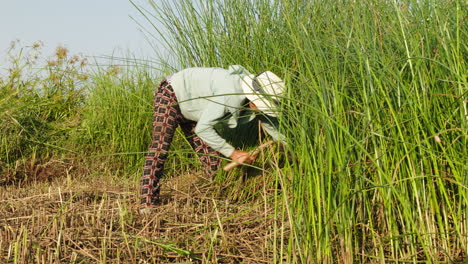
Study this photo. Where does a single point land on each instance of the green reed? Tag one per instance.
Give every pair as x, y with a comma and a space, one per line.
38, 104
375, 116
66, 108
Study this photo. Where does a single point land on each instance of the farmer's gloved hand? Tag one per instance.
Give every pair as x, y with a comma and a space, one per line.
241, 157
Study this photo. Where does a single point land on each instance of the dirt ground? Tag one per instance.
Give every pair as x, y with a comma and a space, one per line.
96, 219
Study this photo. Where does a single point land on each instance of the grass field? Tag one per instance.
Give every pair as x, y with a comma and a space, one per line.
375, 169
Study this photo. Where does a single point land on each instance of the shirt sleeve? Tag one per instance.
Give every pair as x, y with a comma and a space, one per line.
270, 125
214, 111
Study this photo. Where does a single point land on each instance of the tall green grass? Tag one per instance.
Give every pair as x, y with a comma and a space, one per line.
65, 108
117, 116
376, 116
38, 104
117, 119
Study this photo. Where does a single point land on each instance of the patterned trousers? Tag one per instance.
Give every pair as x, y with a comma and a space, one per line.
166, 118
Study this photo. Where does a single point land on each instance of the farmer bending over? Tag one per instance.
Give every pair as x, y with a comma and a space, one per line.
198, 98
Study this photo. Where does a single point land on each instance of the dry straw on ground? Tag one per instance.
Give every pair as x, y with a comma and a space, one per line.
96, 219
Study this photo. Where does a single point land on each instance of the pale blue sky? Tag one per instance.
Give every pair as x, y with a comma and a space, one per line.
88, 27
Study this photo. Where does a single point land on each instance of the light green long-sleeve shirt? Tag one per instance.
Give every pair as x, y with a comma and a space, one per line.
212, 95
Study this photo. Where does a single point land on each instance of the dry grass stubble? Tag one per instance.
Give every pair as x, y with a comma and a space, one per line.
95, 219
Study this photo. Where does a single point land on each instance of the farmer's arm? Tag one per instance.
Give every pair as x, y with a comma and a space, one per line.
211, 115
213, 112
271, 126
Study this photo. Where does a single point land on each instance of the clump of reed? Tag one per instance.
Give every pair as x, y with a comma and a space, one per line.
375, 117
38, 105
63, 107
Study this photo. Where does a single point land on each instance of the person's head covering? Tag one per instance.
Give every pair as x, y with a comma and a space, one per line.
264, 90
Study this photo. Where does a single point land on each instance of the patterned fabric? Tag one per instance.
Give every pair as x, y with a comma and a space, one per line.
166, 118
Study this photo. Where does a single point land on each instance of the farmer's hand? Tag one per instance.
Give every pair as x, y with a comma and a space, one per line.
241, 157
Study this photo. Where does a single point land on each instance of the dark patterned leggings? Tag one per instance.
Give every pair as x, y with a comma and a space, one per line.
166, 118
